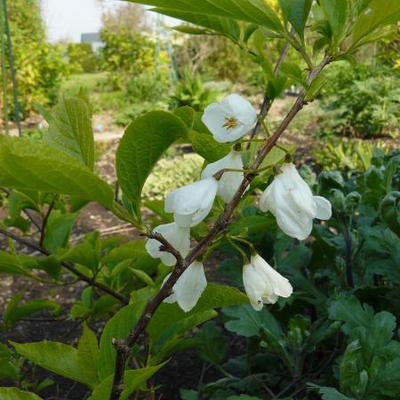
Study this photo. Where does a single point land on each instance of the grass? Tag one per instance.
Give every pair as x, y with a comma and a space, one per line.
90, 82
97, 86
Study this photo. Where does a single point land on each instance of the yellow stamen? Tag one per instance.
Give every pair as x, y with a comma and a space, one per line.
230, 123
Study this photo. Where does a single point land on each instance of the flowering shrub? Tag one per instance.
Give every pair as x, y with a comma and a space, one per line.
250, 203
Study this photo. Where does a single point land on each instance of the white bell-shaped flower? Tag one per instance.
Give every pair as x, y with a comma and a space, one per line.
231, 180
177, 236
189, 287
230, 119
292, 203
192, 203
263, 285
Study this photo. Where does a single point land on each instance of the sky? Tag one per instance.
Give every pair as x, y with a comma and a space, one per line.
68, 19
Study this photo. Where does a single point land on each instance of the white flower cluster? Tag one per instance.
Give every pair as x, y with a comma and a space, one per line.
288, 198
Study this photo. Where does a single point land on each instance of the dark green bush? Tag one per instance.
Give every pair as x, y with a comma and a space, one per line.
337, 335
364, 101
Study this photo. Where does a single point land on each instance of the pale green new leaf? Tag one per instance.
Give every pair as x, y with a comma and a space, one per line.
204, 145
142, 145
14, 265
377, 15
215, 296
29, 165
133, 379
296, 12
59, 358
254, 11
88, 349
15, 312
336, 12
16, 394
70, 128
58, 229
119, 327
225, 26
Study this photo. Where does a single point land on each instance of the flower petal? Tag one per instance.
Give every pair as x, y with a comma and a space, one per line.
232, 106
242, 109
254, 286
230, 181
192, 203
179, 237
324, 208
190, 286
280, 285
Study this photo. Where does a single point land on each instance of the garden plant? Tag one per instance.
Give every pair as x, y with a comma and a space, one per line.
310, 263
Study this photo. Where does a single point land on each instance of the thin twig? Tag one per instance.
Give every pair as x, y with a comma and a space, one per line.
68, 266
267, 103
123, 348
44, 222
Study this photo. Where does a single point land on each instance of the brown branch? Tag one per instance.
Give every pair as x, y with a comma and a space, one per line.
267, 103
91, 281
124, 348
167, 247
44, 222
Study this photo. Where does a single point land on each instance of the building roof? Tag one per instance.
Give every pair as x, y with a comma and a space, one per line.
90, 37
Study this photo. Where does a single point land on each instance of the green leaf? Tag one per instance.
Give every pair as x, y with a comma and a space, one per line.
143, 143
59, 358
16, 264
16, 394
245, 321
86, 253
170, 339
58, 229
215, 296
377, 15
336, 13
28, 165
390, 211
70, 128
188, 394
7, 369
296, 12
207, 147
186, 114
329, 393
294, 72
133, 379
225, 26
350, 311
51, 265
15, 312
88, 349
119, 327
255, 11
18, 201
212, 346
141, 275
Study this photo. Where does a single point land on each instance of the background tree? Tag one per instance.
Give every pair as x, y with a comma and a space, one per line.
39, 65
